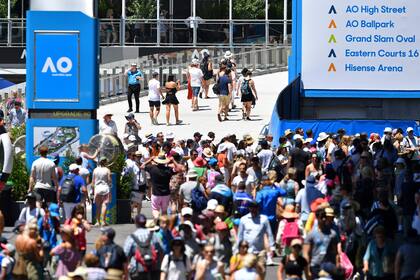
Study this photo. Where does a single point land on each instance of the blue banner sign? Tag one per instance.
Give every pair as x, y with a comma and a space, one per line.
56, 66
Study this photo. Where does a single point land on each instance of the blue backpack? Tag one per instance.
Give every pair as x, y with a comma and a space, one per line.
198, 200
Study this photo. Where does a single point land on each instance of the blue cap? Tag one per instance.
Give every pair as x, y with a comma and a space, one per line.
54, 210
212, 162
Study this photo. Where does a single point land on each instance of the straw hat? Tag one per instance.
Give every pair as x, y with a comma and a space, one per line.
249, 140
207, 152
161, 159
322, 136
151, 226
228, 54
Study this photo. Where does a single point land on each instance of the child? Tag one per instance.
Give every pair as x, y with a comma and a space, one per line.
8, 261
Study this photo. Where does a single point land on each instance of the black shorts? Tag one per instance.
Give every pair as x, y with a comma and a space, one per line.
46, 195
155, 104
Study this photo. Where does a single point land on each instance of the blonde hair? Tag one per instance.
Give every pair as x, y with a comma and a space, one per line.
250, 260
272, 174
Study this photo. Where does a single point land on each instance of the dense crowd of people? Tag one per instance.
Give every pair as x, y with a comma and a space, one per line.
331, 206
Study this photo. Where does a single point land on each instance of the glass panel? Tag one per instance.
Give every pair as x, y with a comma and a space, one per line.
182, 33
18, 8
108, 8
109, 32
213, 33
249, 33
213, 9
275, 9
140, 9
140, 32
249, 9
19, 32
276, 33
3, 32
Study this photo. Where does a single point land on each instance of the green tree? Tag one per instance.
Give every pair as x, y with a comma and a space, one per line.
248, 9
141, 9
3, 7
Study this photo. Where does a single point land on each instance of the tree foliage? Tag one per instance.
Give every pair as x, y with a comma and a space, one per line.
3, 7
141, 9
248, 9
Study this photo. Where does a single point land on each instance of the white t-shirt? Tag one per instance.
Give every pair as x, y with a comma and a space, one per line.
154, 90
265, 158
196, 75
43, 169
176, 270
108, 128
7, 264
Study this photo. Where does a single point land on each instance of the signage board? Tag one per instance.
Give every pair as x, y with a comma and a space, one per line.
357, 48
56, 73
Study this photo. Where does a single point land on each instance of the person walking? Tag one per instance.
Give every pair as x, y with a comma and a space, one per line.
101, 183
170, 99
206, 67
134, 77
154, 97
196, 79
132, 127
176, 265
43, 180
107, 125
248, 94
225, 92
71, 189
17, 115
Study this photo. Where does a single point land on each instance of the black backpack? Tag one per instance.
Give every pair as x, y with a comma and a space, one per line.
245, 87
68, 189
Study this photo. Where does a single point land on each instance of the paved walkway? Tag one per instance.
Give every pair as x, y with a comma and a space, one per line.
205, 120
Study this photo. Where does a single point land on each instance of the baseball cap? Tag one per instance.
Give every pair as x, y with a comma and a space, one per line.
186, 211
212, 204
197, 134
388, 130
410, 129
109, 232
54, 210
73, 167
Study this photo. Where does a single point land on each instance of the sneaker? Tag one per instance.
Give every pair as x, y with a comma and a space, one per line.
178, 122
269, 261
129, 110
137, 112
248, 118
168, 124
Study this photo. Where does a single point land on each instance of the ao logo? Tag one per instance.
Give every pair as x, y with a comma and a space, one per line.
63, 66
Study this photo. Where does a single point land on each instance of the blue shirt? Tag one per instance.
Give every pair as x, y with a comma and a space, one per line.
241, 199
223, 190
78, 184
48, 233
132, 77
224, 82
267, 200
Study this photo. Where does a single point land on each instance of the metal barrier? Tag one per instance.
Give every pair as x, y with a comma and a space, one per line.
172, 32
113, 82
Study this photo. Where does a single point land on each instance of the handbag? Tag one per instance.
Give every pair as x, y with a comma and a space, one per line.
346, 264
216, 89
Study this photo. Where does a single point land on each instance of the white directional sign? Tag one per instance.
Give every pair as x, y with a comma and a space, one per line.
361, 45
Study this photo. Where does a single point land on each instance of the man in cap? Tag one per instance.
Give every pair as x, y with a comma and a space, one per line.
111, 255
321, 244
253, 227
187, 187
107, 125
43, 180
17, 115
306, 196
31, 211
70, 191
141, 236
411, 144
155, 96
134, 76
195, 77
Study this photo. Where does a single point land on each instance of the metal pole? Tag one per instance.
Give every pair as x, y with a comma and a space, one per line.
285, 8
158, 22
230, 26
267, 26
122, 23
171, 25
195, 23
9, 25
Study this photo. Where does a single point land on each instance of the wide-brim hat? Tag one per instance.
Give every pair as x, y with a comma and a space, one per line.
249, 140
228, 54
161, 159
199, 162
151, 225
287, 132
208, 153
191, 174
322, 136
